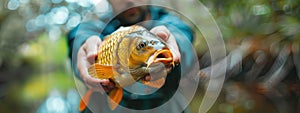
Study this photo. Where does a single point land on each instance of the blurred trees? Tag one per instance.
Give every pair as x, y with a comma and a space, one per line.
33, 62
34, 55
262, 40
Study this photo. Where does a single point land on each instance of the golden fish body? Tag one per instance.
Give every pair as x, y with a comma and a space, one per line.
128, 55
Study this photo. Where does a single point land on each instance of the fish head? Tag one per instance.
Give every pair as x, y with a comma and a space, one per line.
149, 52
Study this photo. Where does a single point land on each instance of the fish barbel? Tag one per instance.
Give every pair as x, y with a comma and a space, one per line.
128, 55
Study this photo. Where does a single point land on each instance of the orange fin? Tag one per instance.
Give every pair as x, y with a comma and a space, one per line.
115, 97
85, 100
155, 84
101, 71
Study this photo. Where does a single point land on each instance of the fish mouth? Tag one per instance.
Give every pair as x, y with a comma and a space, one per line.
161, 56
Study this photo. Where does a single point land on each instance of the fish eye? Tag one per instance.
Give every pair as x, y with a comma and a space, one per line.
142, 44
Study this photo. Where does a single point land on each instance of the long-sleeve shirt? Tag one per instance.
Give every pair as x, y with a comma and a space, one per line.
183, 35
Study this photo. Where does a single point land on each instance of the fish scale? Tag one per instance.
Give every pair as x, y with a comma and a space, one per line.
107, 54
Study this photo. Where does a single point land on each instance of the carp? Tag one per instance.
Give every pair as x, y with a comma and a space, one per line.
127, 56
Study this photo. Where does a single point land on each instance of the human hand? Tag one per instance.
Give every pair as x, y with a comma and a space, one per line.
164, 33
86, 57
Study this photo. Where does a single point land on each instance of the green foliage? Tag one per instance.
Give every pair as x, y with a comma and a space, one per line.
239, 19
39, 86
47, 69
44, 51
49, 60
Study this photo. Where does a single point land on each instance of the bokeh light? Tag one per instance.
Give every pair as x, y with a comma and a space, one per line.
65, 14
261, 37
74, 20
260, 10
13, 4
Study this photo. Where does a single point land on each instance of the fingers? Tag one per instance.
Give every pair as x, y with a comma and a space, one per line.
102, 87
82, 67
174, 49
164, 33
86, 57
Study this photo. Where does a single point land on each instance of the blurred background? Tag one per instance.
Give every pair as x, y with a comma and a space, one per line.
262, 40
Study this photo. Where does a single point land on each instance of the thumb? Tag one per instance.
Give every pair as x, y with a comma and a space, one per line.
91, 48
162, 32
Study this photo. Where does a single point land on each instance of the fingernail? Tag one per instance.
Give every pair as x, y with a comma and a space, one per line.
103, 80
92, 53
163, 35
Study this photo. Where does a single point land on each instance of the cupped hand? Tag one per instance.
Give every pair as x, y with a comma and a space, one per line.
86, 57
164, 33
